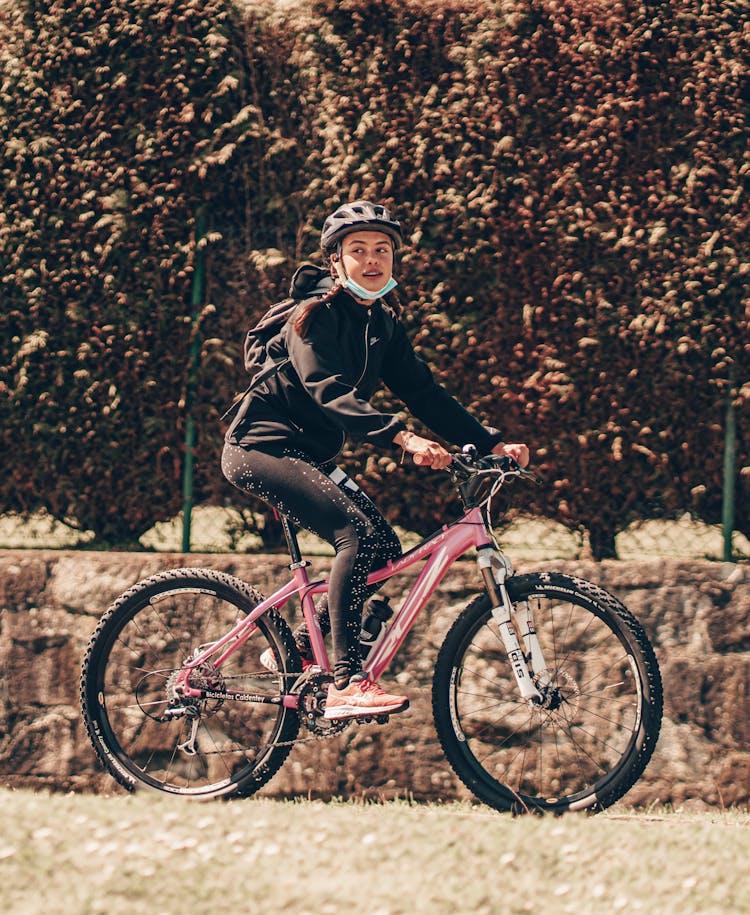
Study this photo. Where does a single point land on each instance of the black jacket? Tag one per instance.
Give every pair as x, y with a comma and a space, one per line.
322, 394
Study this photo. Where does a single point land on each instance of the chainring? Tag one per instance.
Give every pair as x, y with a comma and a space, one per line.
311, 704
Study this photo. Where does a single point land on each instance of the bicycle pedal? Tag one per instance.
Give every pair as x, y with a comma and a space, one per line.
372, 719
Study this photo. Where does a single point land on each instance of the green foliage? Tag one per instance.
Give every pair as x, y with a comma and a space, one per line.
120, 120
571, 175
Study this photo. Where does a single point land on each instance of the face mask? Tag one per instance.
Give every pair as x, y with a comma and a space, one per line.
358, 290
363, 293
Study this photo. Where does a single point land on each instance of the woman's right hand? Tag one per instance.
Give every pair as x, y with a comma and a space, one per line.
424, 451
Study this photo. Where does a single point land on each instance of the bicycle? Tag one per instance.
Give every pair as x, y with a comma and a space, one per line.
558, 712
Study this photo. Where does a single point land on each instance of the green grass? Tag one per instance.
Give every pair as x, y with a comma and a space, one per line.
164, 856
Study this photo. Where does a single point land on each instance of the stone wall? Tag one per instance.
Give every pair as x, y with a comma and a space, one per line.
696, 613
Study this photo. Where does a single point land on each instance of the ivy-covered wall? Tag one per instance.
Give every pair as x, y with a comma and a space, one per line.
572, 177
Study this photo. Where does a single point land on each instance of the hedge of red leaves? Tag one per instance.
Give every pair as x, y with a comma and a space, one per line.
117, 119
572, 176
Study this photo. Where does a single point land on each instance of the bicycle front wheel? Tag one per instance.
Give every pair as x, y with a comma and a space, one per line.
232, 741
585, 744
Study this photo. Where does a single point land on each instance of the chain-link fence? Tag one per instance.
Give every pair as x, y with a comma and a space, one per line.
217, 530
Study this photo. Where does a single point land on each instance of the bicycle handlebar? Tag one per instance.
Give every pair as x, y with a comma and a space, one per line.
468, 468
468, 463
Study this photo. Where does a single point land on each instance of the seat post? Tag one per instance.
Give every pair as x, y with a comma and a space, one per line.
290, 535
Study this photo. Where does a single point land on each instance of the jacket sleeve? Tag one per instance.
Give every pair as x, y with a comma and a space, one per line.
316, 360
411, 380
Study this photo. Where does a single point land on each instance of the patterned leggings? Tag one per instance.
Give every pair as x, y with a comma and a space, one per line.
322, 499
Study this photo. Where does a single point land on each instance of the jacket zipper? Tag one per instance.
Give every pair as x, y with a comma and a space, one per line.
364, 371
367, 350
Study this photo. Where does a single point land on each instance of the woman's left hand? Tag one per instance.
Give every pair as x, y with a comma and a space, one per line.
517, 451
424, 450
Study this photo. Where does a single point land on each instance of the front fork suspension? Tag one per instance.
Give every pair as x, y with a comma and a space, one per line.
495, 570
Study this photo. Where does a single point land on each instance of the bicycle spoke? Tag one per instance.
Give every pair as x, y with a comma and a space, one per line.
579, 735
202, 745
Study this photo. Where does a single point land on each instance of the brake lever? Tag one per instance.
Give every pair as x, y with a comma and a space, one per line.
510, 465
530, 476
460, 467
467, 463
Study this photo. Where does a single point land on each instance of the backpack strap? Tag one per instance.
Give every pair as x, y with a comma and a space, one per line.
268, 371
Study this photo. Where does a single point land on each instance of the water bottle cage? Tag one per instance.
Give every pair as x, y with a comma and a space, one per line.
379, 611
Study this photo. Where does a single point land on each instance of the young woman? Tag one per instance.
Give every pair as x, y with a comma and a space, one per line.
342, 341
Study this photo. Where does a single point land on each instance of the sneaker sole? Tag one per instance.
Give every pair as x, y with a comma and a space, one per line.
356, 711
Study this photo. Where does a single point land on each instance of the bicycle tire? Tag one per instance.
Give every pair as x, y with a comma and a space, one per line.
591, 742
141, 641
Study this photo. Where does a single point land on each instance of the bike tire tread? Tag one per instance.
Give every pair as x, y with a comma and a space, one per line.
190, 577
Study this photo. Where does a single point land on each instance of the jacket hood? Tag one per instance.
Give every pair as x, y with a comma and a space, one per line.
309, 281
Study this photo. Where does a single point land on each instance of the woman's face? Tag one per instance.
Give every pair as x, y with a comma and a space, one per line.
367, 258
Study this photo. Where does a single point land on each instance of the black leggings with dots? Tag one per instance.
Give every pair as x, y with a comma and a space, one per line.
322, 499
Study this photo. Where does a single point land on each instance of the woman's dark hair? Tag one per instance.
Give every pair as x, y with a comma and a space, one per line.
307, 310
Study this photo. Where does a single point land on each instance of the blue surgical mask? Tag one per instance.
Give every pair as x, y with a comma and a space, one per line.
363, 293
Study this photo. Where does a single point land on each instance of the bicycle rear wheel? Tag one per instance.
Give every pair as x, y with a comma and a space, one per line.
212, 747
590, 739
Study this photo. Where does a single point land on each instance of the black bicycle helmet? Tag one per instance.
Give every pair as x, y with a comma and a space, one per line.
359, 215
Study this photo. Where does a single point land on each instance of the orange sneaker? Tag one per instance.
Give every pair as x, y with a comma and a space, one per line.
361, 699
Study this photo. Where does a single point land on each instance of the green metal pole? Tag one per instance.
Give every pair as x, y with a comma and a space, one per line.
196, 301
730, 453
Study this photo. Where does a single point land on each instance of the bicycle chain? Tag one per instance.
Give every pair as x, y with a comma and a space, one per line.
307, 681
278, 743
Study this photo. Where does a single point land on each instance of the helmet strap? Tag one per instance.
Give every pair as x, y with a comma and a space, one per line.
339, 267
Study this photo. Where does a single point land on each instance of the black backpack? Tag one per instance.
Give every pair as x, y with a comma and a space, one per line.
308, 281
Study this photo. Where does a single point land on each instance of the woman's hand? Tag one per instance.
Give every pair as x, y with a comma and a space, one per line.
425, 451
519, 452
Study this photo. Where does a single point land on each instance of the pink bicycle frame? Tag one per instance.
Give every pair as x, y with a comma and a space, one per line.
440, 550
